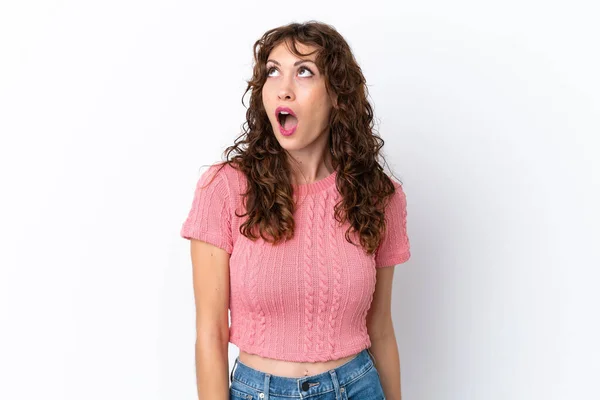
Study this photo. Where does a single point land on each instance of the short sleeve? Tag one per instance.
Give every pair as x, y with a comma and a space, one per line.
394, 247
209, 217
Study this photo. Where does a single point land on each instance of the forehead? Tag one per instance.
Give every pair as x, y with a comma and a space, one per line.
281, 51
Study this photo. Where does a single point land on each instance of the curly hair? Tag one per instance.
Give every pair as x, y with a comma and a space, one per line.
354, 145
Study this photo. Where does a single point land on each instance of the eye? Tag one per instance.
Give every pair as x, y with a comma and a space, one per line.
306, 69
270, 69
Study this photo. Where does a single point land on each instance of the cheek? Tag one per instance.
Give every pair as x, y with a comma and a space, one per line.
320, 104
266, 100
266, 91
319, 97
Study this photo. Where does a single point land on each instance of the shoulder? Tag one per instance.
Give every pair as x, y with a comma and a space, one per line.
222, 172
228, 178
398, 194
395, 204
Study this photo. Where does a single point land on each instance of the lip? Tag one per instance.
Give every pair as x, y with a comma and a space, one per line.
286, 109
281, 128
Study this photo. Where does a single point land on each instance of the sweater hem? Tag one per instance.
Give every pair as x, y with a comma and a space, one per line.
189, 232
301, 357
393, 260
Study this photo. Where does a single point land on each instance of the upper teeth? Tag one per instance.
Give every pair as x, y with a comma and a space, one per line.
283, 112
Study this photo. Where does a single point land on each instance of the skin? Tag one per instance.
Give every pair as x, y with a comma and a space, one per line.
302, 88
308, 148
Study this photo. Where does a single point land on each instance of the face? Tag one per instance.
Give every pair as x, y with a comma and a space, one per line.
297, 84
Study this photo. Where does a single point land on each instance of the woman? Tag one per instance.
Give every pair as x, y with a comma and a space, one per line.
298, 235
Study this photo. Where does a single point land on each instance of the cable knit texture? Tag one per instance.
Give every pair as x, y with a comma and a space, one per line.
307, 299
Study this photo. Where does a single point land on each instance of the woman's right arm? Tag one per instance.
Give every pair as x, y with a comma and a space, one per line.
211, 293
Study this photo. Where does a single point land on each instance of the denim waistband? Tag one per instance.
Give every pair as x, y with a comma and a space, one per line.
305, 386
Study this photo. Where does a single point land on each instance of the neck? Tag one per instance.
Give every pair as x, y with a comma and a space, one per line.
303, 173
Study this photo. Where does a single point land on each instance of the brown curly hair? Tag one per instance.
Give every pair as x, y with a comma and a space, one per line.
355, 147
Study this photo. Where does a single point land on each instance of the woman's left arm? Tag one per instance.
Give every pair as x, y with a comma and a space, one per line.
385, 352
381, 332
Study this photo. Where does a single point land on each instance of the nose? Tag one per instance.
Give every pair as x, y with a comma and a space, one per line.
285, 90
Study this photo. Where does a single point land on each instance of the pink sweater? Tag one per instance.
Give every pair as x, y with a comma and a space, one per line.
304, 300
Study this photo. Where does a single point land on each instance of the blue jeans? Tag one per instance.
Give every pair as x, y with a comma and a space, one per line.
357, 379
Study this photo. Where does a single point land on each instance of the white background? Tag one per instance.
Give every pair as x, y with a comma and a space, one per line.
490, 114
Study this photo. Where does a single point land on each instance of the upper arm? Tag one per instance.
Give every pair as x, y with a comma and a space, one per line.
379, 316
209, 217
208, 227
394, 247
210, 266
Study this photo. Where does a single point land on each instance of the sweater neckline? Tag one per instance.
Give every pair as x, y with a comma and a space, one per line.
314, 187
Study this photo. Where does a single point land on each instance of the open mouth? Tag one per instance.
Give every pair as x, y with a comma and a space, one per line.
286, 120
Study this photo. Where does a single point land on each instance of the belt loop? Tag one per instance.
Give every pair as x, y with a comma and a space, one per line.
336, 384
266, 389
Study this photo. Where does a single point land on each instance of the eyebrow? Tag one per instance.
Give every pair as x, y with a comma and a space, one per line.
295, 64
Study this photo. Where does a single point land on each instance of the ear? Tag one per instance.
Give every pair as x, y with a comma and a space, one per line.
334, 101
